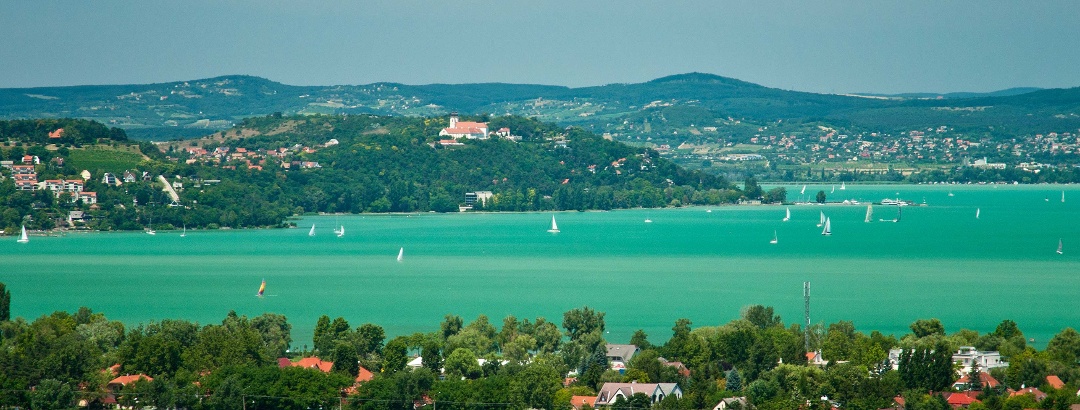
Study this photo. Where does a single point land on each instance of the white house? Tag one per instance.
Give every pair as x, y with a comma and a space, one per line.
610, 392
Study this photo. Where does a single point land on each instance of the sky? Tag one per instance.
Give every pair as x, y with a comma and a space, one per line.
816, 46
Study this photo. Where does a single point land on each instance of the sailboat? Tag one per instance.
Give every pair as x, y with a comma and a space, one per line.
1059, 246
828, 228
869, 212
647, 219
262, 288
787, 215
833, 189
554, 227
823, 220
1062, 196
773, 241
312, 231
401, 254
976, 213
23, 238
803, 190
184, 233
951, 194
341, 232
150, 227
842, 186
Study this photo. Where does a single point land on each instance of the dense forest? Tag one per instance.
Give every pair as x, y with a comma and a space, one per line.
63, 359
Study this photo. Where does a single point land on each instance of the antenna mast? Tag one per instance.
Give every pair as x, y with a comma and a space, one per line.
806, 302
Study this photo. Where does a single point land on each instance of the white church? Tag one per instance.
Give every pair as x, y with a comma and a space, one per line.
464, 129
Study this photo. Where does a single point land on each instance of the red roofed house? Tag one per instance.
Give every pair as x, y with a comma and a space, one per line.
119, 382
1054, 381
1039, 395
988, 381
960, 400
57, 134
581, 401
464, 129
308, 362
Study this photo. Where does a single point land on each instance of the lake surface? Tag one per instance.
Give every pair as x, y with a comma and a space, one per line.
938, 261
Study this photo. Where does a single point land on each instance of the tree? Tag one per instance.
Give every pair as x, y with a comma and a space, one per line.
345, 360
322, 329
430, 356
461, 363
734, 382
51, 394
761, 316
641, 340
821, 197
369, 339
395, 355
5, 303
451, 325
275, 331
922, 328
578, 322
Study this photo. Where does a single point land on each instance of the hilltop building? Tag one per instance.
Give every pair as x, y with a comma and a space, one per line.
465, 129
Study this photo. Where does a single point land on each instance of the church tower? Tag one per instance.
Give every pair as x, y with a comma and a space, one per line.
453, 120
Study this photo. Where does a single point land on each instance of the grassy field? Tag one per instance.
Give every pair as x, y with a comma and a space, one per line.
107, 159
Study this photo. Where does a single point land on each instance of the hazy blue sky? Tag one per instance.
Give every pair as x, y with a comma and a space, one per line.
820, 46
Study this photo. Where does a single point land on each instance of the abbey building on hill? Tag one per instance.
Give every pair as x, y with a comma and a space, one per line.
464, 129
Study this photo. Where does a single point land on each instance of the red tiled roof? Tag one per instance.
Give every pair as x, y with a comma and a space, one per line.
1054, 381
986, 379
125, 380
580, 401
364, 375
283, 362
315, 363
1039, 395
960, 399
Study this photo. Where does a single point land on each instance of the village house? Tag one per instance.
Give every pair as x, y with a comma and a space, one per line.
25, 177
610, 392
110, 179
580, 402
619, 355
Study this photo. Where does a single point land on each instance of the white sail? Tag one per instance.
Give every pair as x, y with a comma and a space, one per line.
833, 189
1062, 196
842, 186
773, 241
787, 215
976, 213
312, 231
341, 232
400, 254
23, 238
869, 212
184, 233
803, 190
554, 226
828, 228
823, 219
1059, 246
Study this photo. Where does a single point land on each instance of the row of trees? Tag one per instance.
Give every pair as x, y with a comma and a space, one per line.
58, 358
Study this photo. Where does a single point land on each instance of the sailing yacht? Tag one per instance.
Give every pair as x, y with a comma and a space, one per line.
1059, 246
803, 190
1062, 196
823, 220
312, 231
262, 288
787, 215
647, 219
869, 212
23, 238
773, 241
842, 186
401, 254
554, 227
184, 233
833, 189
976, 213
341, 232
828, 228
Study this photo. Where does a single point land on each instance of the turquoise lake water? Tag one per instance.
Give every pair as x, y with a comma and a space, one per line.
938, 261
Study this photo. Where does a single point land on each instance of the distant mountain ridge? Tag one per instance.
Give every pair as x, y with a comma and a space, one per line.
671, 104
